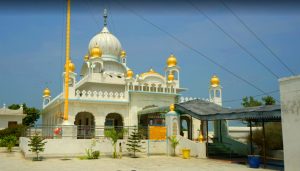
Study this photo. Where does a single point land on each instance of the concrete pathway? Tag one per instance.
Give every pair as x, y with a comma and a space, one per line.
15, 161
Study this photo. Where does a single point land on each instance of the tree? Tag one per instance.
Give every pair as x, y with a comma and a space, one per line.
134, 142
269, 100
37, 145
250, 102
114, 135
32, 114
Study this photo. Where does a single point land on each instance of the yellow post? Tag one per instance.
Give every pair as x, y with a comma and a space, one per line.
66, 105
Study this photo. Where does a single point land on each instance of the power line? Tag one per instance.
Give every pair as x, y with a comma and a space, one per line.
193, 49
257, 37
233, 39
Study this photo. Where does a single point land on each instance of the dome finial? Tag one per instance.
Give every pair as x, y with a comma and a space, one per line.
105, 17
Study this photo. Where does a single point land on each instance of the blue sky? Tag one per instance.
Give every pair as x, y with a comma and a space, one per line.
32, 46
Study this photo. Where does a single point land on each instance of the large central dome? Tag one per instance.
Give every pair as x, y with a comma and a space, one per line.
108, 43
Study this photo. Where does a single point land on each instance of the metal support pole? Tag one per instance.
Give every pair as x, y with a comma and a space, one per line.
220, 131
206, 138
264, 142
251, 143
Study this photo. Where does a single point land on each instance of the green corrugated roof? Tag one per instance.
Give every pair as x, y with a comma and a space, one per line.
152, 110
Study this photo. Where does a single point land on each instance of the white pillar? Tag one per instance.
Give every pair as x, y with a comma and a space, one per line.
290, 113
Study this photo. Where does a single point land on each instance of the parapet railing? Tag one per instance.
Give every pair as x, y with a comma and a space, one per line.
81, 131
101, 95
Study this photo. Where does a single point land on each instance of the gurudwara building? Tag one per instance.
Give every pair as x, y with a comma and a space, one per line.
108, 92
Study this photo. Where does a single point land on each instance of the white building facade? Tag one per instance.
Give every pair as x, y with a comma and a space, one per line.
10, 118
108, 92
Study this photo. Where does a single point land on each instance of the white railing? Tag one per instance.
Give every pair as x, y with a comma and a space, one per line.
152, 88
100, 95
185, 99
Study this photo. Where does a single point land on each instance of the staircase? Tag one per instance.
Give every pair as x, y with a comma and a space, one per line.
219, 150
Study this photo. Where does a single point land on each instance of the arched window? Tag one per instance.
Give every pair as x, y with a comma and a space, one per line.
218, 93
212, 94
97, 68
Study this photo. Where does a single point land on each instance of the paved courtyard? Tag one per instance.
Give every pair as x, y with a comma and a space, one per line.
15, 161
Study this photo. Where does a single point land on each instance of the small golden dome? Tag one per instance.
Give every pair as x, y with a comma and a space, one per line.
86, 57
172, 61
171, 77
129, 73
71, 66
47, 92
95, 52
172, 107
214, 81
123, 54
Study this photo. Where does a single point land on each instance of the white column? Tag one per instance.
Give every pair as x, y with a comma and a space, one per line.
290, 113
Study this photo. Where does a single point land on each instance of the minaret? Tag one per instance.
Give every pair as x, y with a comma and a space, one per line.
172, 71
215, 96
215, 90
46, 96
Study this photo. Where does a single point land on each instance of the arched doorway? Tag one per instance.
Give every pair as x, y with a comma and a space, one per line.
85, 122
114, 120
186, 126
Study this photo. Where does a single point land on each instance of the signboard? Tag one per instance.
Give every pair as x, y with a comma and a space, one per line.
157, 132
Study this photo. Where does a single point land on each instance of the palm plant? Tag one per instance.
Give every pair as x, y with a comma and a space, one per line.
114, 135
174, 143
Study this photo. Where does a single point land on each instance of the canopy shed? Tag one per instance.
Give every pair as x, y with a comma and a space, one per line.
208, 111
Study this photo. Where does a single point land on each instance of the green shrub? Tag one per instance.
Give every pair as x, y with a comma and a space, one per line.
9, 142
17, 131
95, 154
90, 153
273, 137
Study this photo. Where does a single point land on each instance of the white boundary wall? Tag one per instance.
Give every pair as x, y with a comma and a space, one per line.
197, 149
290, 114
76, 147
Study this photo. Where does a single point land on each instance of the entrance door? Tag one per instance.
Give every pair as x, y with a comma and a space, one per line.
85, 125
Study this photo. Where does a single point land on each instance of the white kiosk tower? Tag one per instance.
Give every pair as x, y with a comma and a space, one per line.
215, 96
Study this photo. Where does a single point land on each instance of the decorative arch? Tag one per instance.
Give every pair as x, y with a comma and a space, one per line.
186, 120
85, 122
114, 120
97, 67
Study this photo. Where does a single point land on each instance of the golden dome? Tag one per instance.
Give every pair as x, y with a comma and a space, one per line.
172, 61
150, 72
172, 107
86, 57
214, 81
71, 66
170, 76
95, 52
123, 54
129, 73
47, 92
